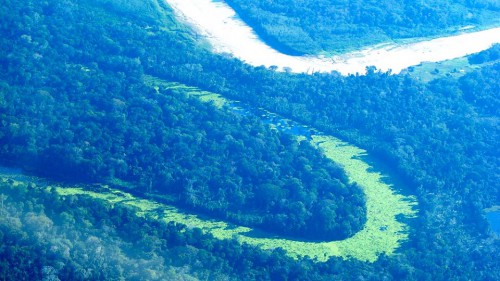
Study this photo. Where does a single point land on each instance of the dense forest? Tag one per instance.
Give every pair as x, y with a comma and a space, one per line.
48, 237
83, 113
73, 106
45, 236
308, 27
490, 55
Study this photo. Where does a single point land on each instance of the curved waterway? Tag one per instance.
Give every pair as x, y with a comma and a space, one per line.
383, 232
226, 33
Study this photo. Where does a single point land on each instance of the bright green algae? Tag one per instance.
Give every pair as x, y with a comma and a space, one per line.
382, 233
217, 100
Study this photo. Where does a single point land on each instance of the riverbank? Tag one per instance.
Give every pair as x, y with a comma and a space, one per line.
226, 33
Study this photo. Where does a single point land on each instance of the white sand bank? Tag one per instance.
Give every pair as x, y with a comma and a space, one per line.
218, 22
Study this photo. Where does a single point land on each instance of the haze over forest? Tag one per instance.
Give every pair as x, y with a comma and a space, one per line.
133, 148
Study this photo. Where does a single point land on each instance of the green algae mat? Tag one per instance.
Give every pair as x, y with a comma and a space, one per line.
383, 232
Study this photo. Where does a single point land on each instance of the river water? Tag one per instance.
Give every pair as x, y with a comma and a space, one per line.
227, 33
494, 220
282, 124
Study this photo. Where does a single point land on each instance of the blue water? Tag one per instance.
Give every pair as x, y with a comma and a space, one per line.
282, 124
494, 220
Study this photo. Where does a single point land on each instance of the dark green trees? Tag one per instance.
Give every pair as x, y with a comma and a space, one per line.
309, 27
84, 114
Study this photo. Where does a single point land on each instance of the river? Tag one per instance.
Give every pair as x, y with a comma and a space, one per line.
226, 33
493, 217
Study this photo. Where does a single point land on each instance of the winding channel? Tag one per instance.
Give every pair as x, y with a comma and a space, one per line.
382, 233
220, 26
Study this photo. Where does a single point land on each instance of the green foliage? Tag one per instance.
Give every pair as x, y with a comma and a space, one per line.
429, 71
439, 139
100, 119
382, 232
490, 55
455, 68
311, 27
45, 237
482, 91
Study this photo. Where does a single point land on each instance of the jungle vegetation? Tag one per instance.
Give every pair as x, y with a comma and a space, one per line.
310, 27
74, 107
79, 112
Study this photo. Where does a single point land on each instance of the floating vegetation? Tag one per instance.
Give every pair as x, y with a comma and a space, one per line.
366, 245
189, 91
383, 233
